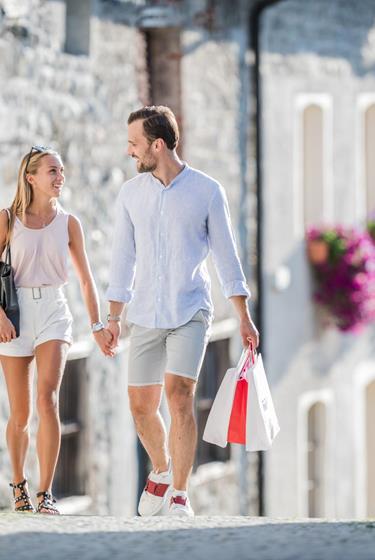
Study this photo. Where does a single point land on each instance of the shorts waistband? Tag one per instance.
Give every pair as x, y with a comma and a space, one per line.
41, 292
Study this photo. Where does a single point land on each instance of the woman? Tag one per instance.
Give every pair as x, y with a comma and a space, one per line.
41, 235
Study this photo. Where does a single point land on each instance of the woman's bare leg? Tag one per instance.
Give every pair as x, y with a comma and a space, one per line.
18, 377
50, 360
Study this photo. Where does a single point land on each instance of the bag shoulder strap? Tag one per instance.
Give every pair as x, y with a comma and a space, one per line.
8, 258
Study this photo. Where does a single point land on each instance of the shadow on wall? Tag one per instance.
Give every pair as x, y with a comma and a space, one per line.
227, 538
291, 27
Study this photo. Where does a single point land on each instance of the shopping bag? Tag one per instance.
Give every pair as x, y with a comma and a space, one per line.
227, 422
216, 429
237, 420
262, 425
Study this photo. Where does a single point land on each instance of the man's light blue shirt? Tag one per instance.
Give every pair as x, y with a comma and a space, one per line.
162, 237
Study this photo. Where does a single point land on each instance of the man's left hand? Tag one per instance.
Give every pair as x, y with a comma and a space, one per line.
249, 332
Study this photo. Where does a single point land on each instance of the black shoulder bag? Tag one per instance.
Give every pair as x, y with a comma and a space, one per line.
8, 292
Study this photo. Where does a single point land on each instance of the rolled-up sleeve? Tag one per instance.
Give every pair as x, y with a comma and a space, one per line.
223, 247
122, 269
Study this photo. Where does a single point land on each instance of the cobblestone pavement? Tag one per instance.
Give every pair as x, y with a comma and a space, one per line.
27, 537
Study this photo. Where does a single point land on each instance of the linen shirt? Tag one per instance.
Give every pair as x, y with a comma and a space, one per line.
162, 236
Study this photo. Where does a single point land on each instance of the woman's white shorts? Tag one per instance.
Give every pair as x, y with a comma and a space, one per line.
44, 315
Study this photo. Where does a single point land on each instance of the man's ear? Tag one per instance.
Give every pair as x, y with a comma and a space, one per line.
159, 144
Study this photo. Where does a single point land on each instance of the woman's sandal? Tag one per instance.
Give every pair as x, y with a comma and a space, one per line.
47, 504
27, 506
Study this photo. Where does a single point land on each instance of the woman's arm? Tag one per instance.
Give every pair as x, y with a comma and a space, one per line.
87, 283
7, 330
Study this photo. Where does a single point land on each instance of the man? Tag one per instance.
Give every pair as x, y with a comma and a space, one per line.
168, 219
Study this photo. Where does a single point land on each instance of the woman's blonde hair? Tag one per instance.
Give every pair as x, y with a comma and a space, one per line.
30, 164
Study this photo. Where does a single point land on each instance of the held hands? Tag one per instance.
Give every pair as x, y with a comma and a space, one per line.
7, 330
104, 339
114, 328
108, 338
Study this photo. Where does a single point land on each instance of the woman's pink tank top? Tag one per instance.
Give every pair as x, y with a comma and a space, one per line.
40, 256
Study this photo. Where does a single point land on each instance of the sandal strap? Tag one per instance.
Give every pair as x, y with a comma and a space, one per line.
19, 485
47, 502
23, 496
26, 507
46, 495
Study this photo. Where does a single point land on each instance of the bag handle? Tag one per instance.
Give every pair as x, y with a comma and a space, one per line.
250, 355
8, 258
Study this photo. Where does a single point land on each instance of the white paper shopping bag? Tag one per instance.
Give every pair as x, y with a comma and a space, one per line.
262, 425
216, 430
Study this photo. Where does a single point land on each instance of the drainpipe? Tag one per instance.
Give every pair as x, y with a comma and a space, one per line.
255, 80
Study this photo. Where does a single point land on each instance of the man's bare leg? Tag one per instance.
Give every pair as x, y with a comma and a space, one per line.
144, 405
183, 432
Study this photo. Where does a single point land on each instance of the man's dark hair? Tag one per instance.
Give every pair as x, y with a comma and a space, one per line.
158, 122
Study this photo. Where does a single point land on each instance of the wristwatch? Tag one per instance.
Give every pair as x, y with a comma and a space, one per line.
116, 318
96, 327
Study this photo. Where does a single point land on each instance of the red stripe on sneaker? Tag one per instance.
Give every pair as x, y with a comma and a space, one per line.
155, 488
178, 500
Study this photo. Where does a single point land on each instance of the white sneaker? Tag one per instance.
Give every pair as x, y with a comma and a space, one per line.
155, 494
180, 506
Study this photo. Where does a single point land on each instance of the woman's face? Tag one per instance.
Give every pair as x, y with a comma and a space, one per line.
49, 178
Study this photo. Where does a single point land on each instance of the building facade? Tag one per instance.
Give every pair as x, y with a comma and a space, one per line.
70, 73
317, 72
275, 99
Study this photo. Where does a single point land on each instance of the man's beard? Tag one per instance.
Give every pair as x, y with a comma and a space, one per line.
146, 167
148, 164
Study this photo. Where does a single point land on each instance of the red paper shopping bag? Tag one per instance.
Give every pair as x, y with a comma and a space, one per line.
237, 422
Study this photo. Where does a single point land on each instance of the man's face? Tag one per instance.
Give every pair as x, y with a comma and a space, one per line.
140, 149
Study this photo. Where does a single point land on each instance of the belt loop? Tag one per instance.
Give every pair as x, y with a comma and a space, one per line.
39, 296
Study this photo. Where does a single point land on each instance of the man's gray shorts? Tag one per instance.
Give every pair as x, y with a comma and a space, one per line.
180, 351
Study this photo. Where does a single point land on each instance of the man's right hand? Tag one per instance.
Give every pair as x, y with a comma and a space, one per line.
114, 327
7, 330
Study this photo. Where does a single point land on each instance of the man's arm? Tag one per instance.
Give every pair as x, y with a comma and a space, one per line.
248, 330
122, 270
228, 266
114, 321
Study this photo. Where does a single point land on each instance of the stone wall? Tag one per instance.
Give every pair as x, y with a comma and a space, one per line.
79, 105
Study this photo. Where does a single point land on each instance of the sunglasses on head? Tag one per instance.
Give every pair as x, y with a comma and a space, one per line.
36, 150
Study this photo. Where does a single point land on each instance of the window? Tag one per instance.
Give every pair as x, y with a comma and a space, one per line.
77, 27
370, 448
215, 365
313, 180
316, 450
70, 479
369, 137
313, 172
315, 474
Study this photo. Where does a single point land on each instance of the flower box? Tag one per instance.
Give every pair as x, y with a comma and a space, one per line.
343, 261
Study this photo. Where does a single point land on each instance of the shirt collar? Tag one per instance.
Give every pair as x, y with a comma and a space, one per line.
178, 177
